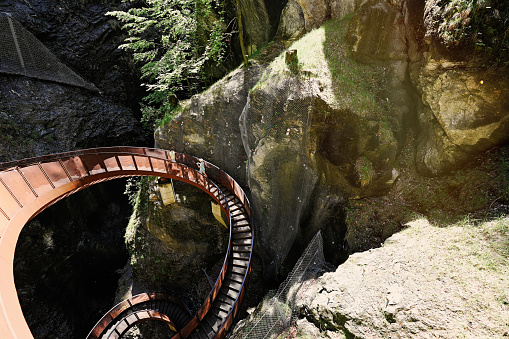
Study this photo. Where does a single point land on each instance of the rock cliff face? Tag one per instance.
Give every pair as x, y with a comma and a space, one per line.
465, 112
329, 126
82, 37
38, 118
41, 117
311, 134
464, 109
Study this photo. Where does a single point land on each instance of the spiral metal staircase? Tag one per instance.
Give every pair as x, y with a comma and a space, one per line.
29, 186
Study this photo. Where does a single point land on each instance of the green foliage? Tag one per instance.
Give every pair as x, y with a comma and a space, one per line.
132, 187
172, 41
480, 22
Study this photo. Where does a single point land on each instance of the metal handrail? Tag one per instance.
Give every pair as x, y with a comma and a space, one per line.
124, 305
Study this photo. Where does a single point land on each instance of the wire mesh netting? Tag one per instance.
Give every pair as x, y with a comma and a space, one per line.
279, 111
278, 310
275, 129
22, 53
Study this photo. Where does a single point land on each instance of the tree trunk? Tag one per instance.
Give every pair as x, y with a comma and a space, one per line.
239, 18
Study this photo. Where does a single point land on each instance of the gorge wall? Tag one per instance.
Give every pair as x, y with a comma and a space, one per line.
376, 119
319, 141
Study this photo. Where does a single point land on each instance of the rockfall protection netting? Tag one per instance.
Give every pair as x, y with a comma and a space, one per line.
275, 129
278, 310
22, 53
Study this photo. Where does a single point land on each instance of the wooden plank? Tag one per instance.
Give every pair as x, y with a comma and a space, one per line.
55, 173
110, 161
8, 203
127, 162
93, 163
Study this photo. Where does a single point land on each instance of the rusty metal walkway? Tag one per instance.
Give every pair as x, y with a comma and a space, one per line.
29, 186
140, 308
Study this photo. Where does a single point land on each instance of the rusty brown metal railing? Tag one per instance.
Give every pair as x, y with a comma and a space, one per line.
139, 316
29, 186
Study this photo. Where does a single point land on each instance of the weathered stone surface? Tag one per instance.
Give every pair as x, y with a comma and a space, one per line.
208, 127
423, 283
255, 21
292, 24
299, 137
315, 13
466, 112
377, 32
38, 118
172, 246
301, 16
341, 8
84, 38
274, 129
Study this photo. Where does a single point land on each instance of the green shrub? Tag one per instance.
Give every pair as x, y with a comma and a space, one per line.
481, 23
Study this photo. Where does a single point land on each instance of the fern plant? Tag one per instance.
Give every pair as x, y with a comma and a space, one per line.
172, 41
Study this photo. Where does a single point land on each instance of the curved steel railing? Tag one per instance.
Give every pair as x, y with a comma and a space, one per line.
123, 306
29, 186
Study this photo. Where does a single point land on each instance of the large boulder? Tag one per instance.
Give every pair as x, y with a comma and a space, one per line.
423, 283
465, 112
305, 137
208, 126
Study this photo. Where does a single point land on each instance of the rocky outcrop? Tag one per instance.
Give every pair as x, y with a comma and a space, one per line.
209, 126
292, 24
177, 249
256, 24
465, 112
336, 119
301, 137
424, 282
301, 16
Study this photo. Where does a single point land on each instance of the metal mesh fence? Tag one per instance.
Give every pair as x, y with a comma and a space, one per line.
276, 132
22, 53
278, 310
